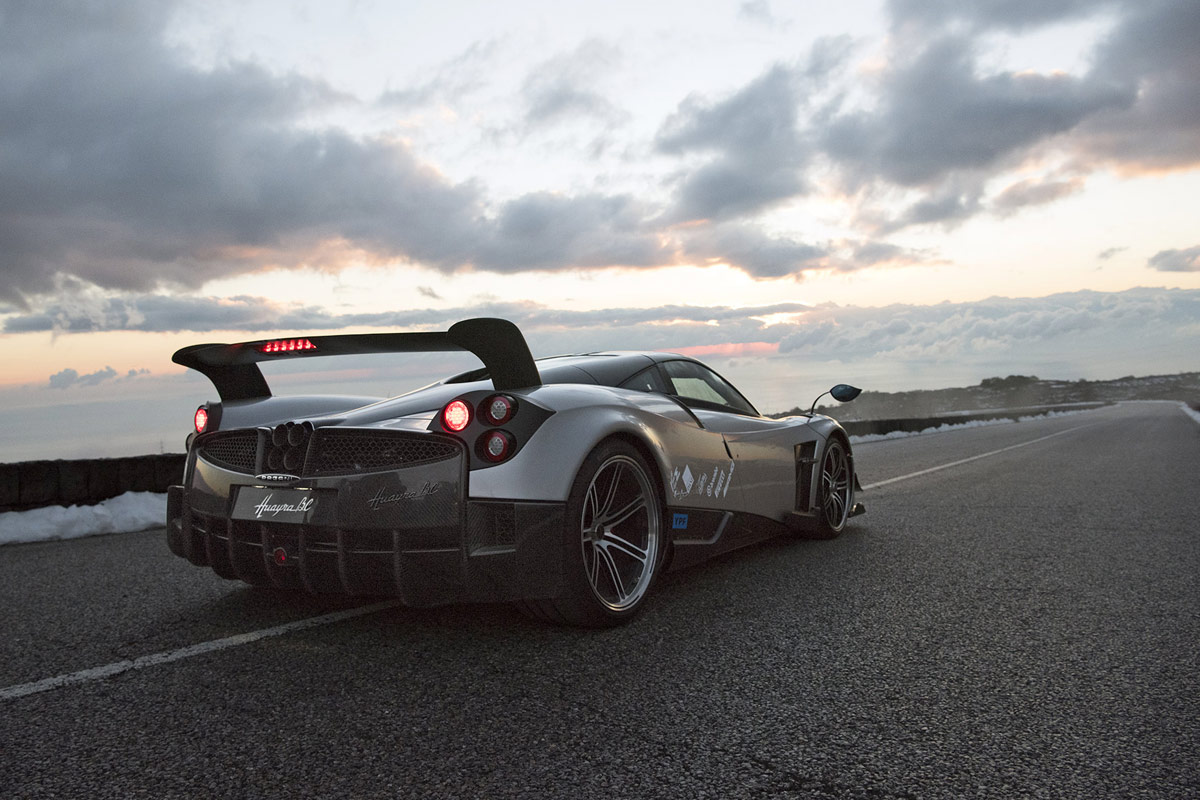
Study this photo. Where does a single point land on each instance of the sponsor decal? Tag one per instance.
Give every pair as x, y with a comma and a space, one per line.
679, 522
303, 505
383, 498
715, 485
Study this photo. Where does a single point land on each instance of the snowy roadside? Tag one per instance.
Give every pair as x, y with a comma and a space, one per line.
139, 511
132, 511
954, 426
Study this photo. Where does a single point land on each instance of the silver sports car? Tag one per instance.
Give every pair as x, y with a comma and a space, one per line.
565, 484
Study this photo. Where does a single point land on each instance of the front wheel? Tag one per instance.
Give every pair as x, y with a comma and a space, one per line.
836, 494
615, 540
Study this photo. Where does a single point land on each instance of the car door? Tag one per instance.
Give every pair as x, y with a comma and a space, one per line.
763, 452
700, 470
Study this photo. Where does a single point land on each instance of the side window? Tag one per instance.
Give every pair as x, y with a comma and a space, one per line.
692, 381
648, 380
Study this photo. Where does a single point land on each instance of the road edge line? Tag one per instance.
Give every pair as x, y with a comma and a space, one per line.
154, 659
918, 473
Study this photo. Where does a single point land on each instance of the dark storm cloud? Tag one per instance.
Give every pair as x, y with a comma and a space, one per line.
64, 379
759, 254
1187, 260
947, 205
122, 165
762, 255
1149, 55
550, 231
989, 14
127, 168
1155, 49
756, 140
938, 116
867, 254
941, 122
757, 151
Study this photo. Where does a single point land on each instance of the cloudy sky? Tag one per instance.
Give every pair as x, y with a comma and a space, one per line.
904, 194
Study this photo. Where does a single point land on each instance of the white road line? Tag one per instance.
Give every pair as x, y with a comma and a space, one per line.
898, 478
1192, 413
154, 659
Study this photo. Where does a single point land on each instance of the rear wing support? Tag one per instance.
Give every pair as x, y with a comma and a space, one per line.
498, 343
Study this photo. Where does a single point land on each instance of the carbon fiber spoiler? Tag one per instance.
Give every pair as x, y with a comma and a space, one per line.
233, 368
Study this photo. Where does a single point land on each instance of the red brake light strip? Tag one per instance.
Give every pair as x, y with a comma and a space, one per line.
287, 346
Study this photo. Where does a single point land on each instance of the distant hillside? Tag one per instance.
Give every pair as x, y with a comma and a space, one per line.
1015, 391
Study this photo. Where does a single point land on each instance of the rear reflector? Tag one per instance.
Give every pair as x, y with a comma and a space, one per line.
496, 446
497, 409
201, 419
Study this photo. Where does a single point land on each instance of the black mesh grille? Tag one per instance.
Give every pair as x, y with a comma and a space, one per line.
336, 452
323, 452
491, 525
236, 450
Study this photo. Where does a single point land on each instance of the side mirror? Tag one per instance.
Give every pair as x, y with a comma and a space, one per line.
843, 393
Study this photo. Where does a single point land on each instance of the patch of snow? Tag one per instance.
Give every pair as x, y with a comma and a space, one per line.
1191, 412
954, 426
132, 511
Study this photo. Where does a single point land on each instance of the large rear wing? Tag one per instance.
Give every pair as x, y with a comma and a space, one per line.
233, 368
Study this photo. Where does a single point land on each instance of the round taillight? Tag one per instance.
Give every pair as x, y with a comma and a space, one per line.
201, 420
456, 416
496, 446
498, 409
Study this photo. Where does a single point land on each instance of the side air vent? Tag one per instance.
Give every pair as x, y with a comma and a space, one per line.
805, 459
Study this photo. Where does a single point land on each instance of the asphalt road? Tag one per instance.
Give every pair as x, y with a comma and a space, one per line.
1024, 624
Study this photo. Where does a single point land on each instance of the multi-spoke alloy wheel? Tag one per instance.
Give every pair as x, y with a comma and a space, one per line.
837, 489
620, 532
614, 540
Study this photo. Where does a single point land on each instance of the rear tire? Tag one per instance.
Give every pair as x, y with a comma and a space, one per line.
615, 541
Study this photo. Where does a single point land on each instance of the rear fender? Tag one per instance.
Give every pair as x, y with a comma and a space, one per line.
546, 466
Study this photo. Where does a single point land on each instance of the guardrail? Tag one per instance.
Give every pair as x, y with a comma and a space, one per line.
34, 484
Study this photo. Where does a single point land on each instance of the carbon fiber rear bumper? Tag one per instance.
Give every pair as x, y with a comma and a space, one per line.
500, 551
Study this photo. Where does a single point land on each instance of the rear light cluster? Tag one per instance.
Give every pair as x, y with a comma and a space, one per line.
201, 419
286, 346
493, 444
456, 416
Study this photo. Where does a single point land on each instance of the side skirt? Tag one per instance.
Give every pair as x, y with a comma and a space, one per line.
697, 535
